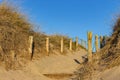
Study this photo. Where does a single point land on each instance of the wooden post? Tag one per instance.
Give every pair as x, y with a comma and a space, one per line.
1, 53
30, 46
62, 45
47, 45
76, 43
89, 46
12, 55
96, 43
101, 39
70, 44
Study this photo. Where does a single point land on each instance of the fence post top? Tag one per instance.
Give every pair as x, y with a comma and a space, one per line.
76, 37
89, 35
30, 36
96, 36
70, 38
47, 37
101, 36
89, 32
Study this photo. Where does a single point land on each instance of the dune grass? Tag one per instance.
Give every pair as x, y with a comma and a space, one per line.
15, 30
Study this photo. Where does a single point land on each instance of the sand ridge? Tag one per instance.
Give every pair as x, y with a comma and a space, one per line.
48, 65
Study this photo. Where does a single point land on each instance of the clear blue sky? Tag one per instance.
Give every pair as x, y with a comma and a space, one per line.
73, 17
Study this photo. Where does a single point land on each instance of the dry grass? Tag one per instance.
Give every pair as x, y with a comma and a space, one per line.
15, 30
108, 57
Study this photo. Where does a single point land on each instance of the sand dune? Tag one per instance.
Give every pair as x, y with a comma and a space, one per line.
53, 64
110, 74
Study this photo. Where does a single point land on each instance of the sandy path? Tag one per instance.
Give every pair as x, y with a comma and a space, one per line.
57, 63
49, 65
110, 74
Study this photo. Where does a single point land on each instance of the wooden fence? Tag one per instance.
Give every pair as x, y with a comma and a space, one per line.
87, 45
99, 43
77, 42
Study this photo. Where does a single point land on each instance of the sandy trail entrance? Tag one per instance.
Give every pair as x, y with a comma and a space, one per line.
53, 67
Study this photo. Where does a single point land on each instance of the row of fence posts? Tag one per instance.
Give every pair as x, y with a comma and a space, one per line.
90, 51
83, 43
89, 36
61, 44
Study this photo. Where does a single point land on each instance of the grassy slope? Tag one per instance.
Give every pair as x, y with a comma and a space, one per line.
108, 57
15, 30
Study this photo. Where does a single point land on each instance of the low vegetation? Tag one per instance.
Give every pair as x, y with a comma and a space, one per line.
15, 30
108, 57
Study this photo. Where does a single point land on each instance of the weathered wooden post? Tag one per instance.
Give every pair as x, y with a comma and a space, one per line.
89, 46
96, 43
47, 45
62, 45
76, 43
12, 55
101, 40
1, 53
30, 46
70, 47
